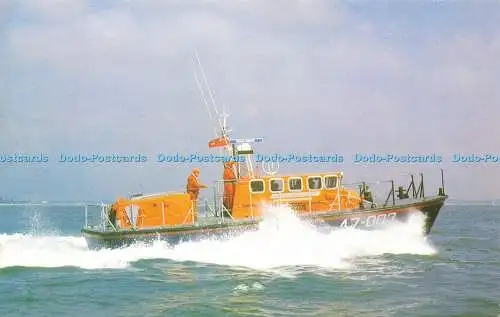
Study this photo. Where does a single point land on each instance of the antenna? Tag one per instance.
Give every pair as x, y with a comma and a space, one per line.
219, 127
205, 103
209, 92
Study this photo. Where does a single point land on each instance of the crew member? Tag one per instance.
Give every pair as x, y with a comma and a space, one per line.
229, 185
193, 189
366, 195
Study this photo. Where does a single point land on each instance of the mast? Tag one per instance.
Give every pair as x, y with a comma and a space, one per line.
218, 120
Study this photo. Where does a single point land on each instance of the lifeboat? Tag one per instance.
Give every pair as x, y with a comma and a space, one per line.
246, 190
241, 196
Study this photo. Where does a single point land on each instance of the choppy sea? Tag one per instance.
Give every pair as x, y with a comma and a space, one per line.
286, 268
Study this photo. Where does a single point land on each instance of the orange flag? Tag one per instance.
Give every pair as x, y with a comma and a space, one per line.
221, 141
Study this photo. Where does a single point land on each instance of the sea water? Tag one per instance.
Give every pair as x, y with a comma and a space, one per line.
285, 268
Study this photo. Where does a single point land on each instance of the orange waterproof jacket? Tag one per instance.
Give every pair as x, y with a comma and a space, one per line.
193, 186
229, 178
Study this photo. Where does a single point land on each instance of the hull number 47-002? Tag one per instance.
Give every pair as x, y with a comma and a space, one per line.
370, 221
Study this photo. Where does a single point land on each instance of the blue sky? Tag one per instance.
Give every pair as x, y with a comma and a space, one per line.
310, 76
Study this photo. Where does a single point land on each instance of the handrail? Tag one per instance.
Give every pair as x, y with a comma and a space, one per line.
109, 221
191, 212
209, 209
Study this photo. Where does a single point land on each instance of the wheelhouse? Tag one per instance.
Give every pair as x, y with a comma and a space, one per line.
304, 193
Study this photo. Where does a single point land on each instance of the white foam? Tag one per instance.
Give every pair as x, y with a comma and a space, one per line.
282, 241
244, 288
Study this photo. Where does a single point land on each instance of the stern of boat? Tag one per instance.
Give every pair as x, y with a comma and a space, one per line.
98, 223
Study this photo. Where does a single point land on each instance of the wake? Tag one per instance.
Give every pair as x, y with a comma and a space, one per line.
282, 240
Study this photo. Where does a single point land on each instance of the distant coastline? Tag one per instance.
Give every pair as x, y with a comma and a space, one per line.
4, 201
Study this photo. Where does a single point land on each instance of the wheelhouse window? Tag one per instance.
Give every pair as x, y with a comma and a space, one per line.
276, 185
330, 181
257, 186
314, 182
295, 184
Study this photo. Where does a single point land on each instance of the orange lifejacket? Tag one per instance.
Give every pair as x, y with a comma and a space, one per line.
229, 185
193, 186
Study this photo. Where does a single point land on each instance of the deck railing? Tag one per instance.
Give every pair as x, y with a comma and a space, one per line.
412, 191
